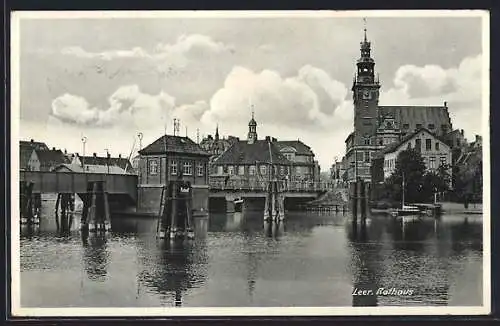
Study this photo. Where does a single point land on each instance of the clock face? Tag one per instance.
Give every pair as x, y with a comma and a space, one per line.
366, 94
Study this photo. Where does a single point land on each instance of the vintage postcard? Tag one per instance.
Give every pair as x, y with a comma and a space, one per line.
250, 163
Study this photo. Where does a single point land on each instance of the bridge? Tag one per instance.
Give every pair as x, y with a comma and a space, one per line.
118, 185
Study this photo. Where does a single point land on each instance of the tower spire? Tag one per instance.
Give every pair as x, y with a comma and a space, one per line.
364, 29
217, 132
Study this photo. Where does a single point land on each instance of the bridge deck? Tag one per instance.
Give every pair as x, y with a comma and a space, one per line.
76, 182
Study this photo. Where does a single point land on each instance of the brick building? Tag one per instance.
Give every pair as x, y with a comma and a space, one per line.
376, 126
170, 158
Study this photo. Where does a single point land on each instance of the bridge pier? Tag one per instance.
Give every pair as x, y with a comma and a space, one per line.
359, 193
230, 206
30, 204
274, 207
175, 215
96, 214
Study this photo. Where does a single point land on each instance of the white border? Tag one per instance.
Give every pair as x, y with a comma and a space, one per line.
17, 310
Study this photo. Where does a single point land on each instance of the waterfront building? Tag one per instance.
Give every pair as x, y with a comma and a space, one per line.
26, 149
172, 158
376, 126
435, 152
252, 159
46, 160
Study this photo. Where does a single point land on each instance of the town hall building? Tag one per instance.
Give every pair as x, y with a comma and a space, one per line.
376, 126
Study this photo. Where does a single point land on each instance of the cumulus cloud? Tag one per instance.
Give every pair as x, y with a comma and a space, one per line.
309, 99
128, 106
431, 83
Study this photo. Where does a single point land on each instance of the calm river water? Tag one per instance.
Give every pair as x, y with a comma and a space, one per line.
236, 260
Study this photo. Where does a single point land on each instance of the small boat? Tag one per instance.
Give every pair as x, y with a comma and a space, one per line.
238, 204
406, 210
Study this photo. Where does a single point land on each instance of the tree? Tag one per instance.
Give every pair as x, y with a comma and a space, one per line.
409, 164
420, 185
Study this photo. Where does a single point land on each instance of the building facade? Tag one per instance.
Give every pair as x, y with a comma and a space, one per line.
255, 158
435, 152
376, 126
216, 145
26, 149
46, 160
172, 158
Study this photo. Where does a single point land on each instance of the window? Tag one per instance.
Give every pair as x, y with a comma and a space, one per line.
428, 144
367, 141
419, 126
230, 170
409, 145
251, 170
432, 162
220, 169
406, 126
437, 146
297, 170
367, 157
442, 160
282, 170
173, 167
200, 169
431, 126
263, 169
241, 170
153, 167
418, 144
187, 168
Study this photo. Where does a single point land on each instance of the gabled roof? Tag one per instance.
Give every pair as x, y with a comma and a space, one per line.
300, 147
392, 147
104, 161
261, 151
173, 144
423, 115
33, 145
51, 158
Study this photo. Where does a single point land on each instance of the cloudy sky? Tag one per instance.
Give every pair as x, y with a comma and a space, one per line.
108, 79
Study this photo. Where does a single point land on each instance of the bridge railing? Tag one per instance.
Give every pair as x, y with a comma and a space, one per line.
261, 185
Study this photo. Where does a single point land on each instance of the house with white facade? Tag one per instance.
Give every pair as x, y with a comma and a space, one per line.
433, 149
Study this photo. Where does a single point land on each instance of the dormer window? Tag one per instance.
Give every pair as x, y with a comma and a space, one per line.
431, 126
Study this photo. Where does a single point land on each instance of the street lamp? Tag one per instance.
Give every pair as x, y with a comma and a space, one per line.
84, 140
139, 135
107, 158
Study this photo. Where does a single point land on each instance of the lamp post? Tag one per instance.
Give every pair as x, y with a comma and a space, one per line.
140, 135
107, 158
84, 140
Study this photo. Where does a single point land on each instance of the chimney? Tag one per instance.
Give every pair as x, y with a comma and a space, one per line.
65, 151
119, 155
445, 104
77, 155
109, 155
462, 132
32, 141
53, 148
268, 138
274, 139
95, 155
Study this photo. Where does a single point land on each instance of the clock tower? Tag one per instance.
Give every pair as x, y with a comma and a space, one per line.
365, 90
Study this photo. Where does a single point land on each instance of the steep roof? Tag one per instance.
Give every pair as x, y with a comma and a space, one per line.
392, 147
299, 146
423, 115
33, 145
261, 151
51, 158
173, 144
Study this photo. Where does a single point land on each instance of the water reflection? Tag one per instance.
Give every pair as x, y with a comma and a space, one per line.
238, 259
172, 267
95, 255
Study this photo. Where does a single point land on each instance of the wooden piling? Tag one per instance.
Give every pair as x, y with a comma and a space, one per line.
107, 214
